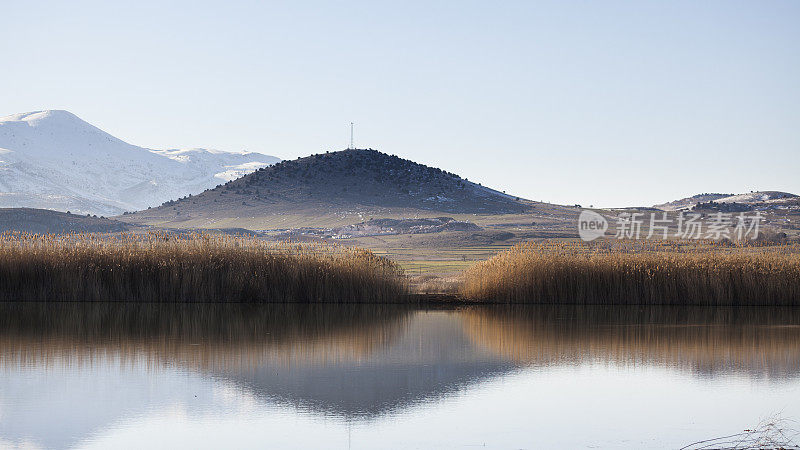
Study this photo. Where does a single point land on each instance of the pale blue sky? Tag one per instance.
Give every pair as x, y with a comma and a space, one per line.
604, 103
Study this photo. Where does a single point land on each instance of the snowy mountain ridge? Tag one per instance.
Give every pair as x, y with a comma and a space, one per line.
54, 160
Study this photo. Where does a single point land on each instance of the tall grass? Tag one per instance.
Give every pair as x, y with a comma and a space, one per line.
161, 267
658, 273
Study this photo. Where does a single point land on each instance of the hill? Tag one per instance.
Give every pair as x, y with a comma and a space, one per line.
759, 197
749, 199
44, 221
55, 160
688, 202
354, 183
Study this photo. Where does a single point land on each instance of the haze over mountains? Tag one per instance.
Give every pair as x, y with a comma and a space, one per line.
55, 160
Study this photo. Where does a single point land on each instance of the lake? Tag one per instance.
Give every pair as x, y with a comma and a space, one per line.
295, 376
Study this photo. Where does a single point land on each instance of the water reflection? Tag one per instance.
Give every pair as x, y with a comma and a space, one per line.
756, 342
206, 337
87, 367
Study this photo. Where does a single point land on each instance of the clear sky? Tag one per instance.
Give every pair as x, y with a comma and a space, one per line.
591, 102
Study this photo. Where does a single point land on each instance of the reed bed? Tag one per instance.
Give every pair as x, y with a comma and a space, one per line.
668, 273
190, 267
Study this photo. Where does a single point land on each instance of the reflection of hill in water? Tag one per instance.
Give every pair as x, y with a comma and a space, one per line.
279, 349
86, 367
355, 361
352, 360
429, 356
756, 342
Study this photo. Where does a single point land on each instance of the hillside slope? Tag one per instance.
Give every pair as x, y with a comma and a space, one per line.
751, 198
688, 202
367, 182
55, 160
44, 221
758, 197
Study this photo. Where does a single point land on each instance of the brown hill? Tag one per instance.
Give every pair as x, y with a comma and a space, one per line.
753, 198
688, 202
337, 184
45, 221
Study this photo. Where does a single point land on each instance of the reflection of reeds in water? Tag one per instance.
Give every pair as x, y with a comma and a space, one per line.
158, 267
209, 336
650, 273
231, 337
757, 342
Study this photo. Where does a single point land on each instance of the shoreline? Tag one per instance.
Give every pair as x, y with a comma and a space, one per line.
412, 300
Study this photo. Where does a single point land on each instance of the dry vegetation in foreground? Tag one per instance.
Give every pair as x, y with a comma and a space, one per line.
666, 273
160, 267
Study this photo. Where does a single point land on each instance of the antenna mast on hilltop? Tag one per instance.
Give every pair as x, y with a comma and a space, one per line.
351, 137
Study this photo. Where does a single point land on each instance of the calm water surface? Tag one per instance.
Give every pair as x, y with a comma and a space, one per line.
203, 376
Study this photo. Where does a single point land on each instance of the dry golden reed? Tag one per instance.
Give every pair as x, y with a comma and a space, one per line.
191, 267
666, 273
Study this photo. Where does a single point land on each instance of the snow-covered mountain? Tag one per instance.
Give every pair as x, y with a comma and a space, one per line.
55, 160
